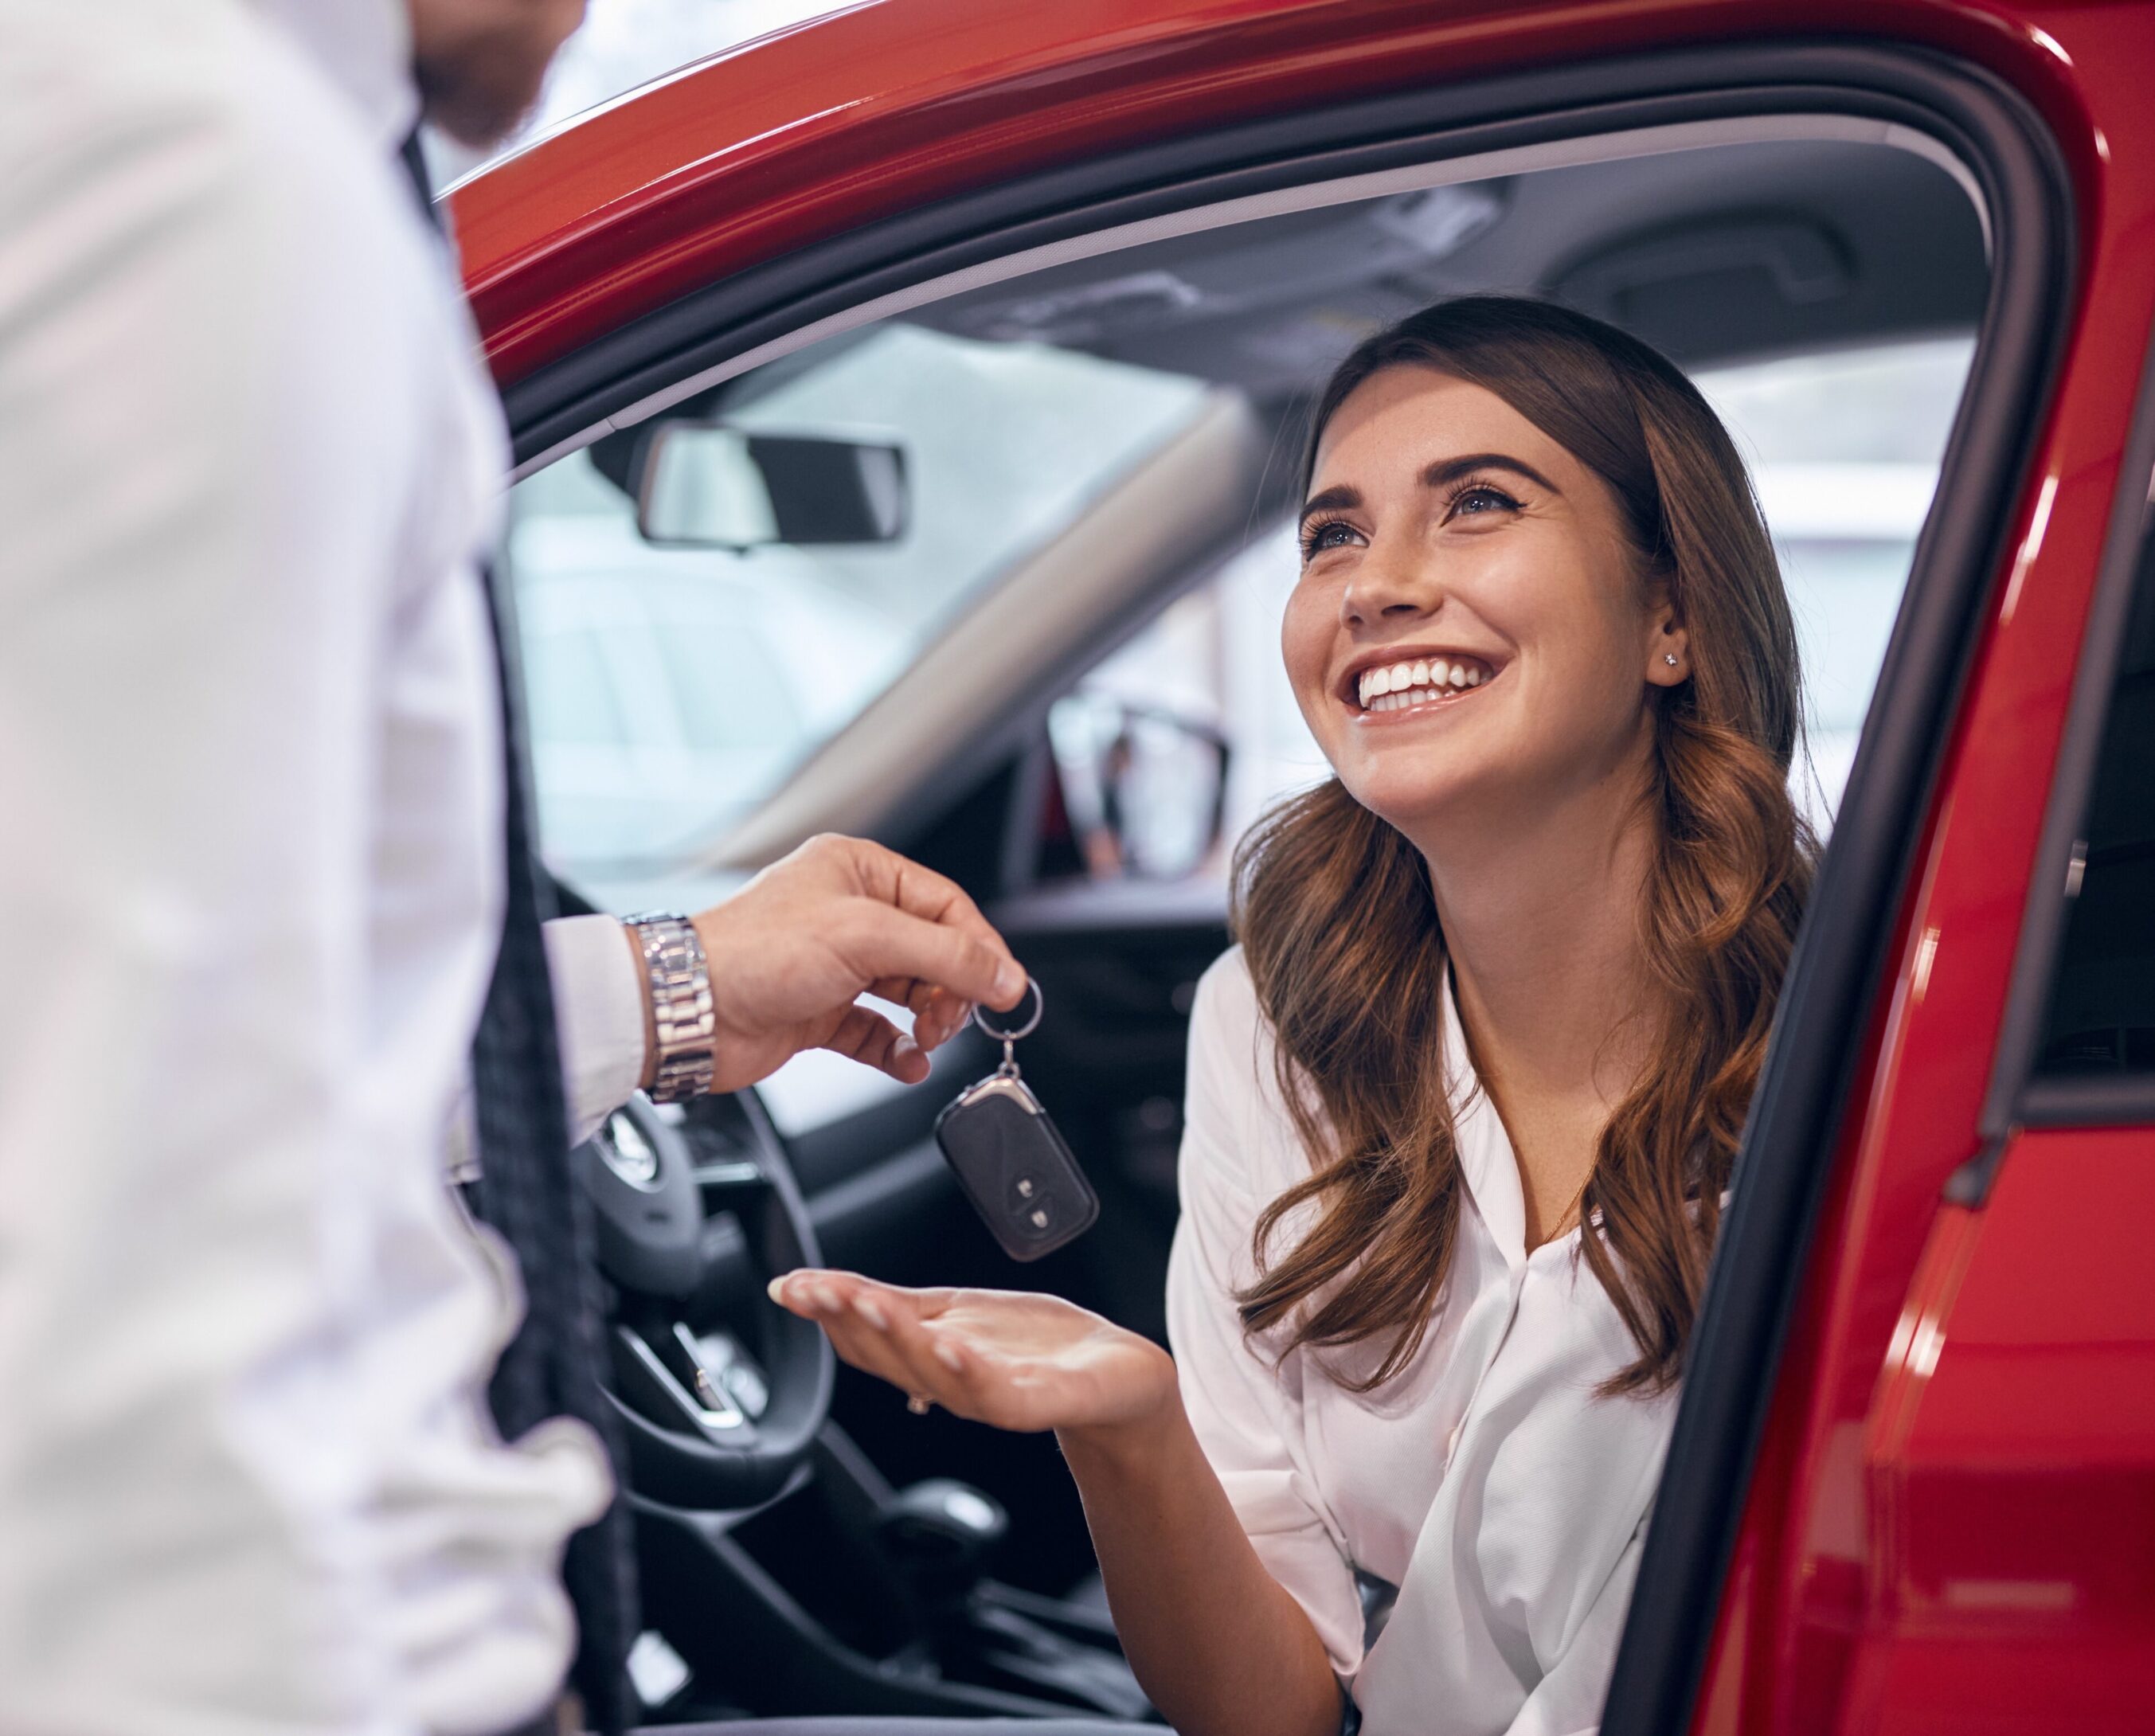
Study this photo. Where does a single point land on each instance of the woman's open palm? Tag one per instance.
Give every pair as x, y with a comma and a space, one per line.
1010, 1358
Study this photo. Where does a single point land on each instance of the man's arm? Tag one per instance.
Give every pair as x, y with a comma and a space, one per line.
789, 955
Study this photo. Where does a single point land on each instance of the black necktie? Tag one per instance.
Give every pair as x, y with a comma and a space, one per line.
526, 1192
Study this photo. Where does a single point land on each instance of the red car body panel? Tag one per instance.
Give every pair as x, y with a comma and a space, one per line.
1951, 1522
892, 103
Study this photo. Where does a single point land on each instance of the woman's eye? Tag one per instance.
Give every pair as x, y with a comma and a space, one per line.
1331, 533
1478, 500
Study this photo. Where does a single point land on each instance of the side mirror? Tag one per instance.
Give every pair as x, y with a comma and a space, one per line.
1146, 789
703, 484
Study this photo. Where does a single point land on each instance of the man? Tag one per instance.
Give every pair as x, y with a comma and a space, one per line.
251, 895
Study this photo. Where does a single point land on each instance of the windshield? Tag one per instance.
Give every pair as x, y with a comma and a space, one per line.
671, 689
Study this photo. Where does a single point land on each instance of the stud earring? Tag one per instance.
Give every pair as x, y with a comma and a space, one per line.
1670, 658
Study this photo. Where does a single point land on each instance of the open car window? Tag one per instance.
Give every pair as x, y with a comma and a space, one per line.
680, 694
671, 688
1099, 458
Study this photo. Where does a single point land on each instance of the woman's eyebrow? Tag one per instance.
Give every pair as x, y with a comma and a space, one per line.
1342, 498
1339, 498
1449, 470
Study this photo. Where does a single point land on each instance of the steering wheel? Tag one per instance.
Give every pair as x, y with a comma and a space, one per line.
712, 1422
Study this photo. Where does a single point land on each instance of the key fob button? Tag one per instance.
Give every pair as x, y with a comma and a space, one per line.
1031, 1207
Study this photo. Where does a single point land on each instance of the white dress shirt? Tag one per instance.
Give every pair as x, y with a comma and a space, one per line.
1486, 1481
249, 896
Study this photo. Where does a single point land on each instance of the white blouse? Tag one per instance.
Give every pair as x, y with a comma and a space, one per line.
1487, 1481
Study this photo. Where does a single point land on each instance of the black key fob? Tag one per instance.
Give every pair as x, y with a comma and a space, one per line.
1010, 1159
1014, 1166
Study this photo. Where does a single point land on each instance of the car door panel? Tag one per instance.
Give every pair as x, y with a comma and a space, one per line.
1817, 1631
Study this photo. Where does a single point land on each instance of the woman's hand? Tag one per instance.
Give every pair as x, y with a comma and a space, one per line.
1221, 1648
1008, 1358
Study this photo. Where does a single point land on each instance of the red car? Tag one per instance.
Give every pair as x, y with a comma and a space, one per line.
1049, 285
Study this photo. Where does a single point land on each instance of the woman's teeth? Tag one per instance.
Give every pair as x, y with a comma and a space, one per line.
1398, 686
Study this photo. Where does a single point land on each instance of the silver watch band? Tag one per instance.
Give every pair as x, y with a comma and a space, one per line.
681, 1018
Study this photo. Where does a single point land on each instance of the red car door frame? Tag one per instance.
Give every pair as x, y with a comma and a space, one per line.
874, 151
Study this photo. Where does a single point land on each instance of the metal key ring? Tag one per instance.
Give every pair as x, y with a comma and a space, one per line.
1040, 1007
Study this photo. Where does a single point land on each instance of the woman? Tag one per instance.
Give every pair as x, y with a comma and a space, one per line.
1462, 1103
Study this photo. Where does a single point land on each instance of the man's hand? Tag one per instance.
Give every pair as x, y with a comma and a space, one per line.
790, 951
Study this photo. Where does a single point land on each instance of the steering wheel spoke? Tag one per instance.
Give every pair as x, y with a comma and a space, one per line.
670, 1383
727, 1184
715, 1419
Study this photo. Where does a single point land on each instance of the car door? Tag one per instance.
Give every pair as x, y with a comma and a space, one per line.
1946, 1471
720, 218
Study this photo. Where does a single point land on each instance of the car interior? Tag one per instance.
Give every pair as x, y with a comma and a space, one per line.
995, 579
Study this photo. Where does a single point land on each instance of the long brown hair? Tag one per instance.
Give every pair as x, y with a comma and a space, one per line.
1731, 864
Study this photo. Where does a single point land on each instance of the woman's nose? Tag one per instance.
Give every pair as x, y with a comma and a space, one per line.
1391, 583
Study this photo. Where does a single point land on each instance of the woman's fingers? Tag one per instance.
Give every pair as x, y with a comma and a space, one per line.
805, 1288
849, 1309
900, 1336
895, 1339
837, 1300
1014, 1359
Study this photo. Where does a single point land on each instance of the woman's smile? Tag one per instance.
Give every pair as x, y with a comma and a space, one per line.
1379, 687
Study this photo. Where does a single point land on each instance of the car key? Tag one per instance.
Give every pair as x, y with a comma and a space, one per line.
1009, 1158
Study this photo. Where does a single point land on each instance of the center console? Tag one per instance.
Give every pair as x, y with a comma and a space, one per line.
843, 1595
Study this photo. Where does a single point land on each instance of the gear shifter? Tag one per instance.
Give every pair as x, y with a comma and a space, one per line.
940, 1536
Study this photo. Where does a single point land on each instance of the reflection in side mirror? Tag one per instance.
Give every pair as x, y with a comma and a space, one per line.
705, 485
1146, 789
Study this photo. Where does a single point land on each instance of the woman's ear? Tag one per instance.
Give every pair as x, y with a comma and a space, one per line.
1668, 661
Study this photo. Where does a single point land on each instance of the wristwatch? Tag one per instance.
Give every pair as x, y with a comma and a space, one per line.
679, 984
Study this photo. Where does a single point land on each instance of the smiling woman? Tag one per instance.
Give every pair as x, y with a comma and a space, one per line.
1617, 703
1463, 1106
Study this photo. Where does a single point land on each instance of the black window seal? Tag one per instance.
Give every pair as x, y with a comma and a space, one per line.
2019, 1096
1822, 1022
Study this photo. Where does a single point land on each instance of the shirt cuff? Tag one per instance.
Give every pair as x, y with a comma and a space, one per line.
598, 1012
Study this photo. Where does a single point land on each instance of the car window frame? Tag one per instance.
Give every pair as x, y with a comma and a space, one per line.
1696, 118
2020, 1096
1823, 1025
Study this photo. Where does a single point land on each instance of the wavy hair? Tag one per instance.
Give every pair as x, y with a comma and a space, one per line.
1730, 866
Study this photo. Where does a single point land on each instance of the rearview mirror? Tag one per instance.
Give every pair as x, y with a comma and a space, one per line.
703, 484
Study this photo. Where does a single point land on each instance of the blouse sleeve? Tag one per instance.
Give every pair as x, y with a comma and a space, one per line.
1246, 1412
